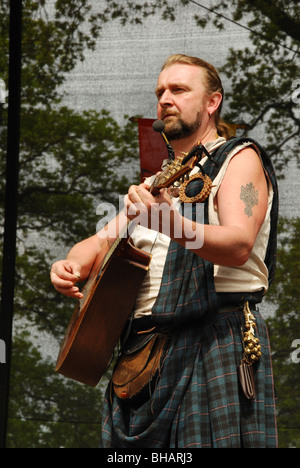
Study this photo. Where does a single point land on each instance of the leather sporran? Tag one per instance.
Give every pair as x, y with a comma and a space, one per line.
139, 363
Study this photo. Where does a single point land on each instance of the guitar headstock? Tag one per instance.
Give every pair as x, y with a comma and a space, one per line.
175, 170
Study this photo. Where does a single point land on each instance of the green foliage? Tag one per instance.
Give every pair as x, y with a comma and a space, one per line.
53, 42
69, 163
134, 12
284, 328
44, 408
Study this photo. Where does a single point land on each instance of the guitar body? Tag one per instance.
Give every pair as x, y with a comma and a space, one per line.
99, 318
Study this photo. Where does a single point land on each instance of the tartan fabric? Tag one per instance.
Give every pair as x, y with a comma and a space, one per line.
187, 291
197, 401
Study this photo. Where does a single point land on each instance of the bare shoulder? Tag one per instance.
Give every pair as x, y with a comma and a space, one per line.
246, 160
245, 167
243, 193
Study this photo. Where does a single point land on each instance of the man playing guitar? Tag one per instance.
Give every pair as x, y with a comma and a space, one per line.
196, 401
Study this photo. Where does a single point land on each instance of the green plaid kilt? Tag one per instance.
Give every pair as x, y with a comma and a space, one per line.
198, 402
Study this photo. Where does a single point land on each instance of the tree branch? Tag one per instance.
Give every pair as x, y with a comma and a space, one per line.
265, 110
278, 17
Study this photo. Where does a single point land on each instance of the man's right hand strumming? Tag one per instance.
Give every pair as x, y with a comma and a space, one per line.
64, 275
78, 264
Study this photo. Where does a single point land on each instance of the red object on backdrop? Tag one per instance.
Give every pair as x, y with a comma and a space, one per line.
153, 149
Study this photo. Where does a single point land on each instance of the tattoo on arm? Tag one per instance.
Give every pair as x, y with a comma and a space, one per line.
250, 197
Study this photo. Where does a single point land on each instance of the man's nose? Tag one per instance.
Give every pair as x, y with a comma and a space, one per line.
166, 99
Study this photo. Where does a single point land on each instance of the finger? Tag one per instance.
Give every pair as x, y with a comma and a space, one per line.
62, 278
60, 281
132, 210
140, 194
75, 294
68, 290
74, 269
66, 271
146, 186
164, 197
133, 194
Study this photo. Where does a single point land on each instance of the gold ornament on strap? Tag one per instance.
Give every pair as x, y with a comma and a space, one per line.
252, 348
201, 196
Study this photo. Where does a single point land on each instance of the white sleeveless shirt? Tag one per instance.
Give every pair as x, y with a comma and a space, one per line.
253, 275
250, 277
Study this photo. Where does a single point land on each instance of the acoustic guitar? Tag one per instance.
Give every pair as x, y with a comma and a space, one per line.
109, 296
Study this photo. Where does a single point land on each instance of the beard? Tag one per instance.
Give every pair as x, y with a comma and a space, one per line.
177, 128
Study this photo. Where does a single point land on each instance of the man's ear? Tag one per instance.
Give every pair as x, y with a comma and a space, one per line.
214, 102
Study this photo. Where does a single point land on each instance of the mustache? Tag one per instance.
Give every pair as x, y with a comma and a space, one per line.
166, 113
